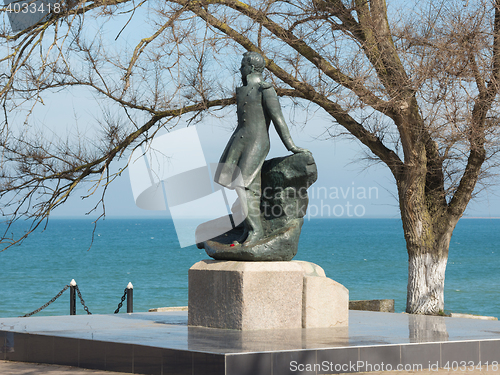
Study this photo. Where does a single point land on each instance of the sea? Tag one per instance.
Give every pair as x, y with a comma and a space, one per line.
368, 256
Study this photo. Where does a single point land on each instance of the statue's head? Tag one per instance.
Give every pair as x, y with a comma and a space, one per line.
252, 62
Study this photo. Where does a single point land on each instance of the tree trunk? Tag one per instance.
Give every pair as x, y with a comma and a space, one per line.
427, 244
426, 273
428, 227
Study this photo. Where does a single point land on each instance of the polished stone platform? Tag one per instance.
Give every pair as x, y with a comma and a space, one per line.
162, 343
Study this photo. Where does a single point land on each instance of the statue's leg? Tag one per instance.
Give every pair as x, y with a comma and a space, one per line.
242, 197
253, 224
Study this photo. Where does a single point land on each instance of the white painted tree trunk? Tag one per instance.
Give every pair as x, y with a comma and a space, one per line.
426, 274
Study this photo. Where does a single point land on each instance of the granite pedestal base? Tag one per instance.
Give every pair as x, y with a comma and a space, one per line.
264, 295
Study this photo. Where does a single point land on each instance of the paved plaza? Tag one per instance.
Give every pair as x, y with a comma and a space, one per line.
21, 368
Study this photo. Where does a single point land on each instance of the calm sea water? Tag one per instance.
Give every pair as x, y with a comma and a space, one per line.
368, 256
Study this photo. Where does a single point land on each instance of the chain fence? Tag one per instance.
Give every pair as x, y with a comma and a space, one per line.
121, 302
82, 301
47, 304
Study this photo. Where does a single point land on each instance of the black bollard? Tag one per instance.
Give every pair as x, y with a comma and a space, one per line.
130, 298
72, 297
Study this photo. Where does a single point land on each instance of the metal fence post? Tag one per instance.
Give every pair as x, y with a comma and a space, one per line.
130, 298
72, 297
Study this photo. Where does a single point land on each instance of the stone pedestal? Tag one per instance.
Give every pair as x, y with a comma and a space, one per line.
264, 295
325, 302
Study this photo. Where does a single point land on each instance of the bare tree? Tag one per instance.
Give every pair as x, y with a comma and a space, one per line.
416, 84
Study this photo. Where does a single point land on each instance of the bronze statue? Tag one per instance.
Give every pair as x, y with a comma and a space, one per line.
257, 106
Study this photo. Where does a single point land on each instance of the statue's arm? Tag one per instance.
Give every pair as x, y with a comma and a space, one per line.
273, 108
